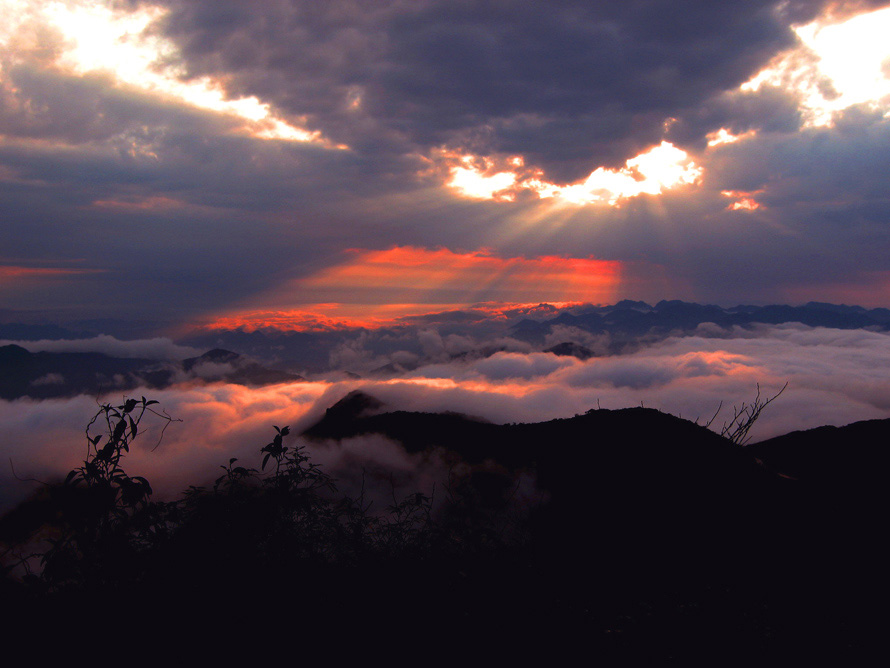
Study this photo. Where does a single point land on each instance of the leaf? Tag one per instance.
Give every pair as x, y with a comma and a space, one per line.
144, 482
266, 459
132, 426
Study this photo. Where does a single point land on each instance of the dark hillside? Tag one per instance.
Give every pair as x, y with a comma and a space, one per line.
650, 508
652, 538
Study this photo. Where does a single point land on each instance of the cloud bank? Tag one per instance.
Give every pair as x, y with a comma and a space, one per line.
834, 377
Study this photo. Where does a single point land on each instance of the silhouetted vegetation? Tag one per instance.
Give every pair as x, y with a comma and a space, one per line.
650, 536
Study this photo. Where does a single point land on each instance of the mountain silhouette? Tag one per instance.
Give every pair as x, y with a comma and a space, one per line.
645, 506
44, 375
627, 320
650, 537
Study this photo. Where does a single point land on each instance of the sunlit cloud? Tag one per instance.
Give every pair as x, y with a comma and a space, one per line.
835, 66
661, 168
322, 317
724, 136
471, 181
742, 200
339, 316
101, 37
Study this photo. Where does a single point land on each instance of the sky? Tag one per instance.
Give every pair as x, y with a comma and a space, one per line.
349, 163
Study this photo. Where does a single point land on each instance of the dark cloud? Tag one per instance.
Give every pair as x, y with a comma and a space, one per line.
571, 85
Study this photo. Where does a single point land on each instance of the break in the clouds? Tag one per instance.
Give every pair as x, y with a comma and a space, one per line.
187, 161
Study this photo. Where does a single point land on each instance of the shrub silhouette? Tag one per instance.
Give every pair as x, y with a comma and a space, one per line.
107, 534
658, 547
104, 523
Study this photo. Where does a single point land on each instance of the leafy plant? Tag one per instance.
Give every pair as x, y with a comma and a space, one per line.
106, 516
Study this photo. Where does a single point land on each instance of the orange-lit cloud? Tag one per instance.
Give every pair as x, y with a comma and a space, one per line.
743, 200
12, 272
377, 287
321, 317
660, 168
420, 268
724, 136
331, 317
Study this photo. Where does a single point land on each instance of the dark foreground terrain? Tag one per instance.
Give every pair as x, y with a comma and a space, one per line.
627, 534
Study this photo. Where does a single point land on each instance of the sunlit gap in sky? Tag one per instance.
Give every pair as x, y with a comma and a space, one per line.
97, 38
835, 66
660, 168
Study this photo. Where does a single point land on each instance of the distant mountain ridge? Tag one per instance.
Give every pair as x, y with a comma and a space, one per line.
633, 318
622, 326
44, 375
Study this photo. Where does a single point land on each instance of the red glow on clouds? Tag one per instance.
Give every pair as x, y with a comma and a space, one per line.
323, 317
16, 272
332, 317
420, 268
374, 288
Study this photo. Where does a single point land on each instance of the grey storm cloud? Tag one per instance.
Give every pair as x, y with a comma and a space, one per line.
572, 85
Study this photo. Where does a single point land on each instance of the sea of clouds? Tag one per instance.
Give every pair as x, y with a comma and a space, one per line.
833, 377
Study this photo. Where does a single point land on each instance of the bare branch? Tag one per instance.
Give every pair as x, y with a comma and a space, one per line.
744, 417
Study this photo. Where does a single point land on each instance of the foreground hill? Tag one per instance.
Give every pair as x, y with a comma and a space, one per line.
649, 537
854, 458
777, 545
